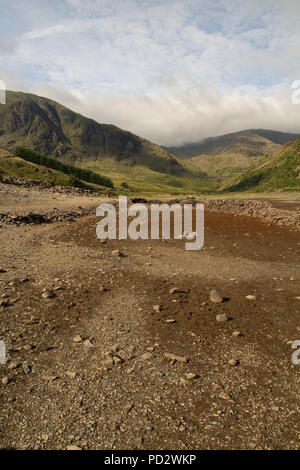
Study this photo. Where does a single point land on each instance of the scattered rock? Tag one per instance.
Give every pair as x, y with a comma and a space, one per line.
251, 297
73, 447
222, 317
233, 362
117, 360
170, 320
26, 368
235, 334
47, 294
77, 339
175, 290
174, 357
42, 347
71, 374
49, 378
216, 387
146, 356
190, 376
224, 396
216, 297
87, 344
5, 380
117, 253
157, 308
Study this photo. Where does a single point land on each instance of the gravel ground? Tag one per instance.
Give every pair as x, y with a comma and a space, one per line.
130, 352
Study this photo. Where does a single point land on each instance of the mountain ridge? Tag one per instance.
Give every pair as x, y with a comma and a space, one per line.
48, 127
254, 141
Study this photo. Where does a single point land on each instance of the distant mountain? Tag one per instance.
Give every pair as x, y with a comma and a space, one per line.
248, 143
48, 127
279, 171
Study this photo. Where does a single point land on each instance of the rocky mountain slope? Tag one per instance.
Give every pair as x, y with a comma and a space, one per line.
281, 170
48, 127
249, 143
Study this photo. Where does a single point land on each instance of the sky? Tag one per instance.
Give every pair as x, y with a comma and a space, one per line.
170, 71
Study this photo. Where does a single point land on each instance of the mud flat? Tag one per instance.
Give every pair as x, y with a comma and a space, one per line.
110, 352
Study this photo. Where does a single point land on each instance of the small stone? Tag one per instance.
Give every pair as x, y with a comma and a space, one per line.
235, 334
146, 356
190, 376
251, 297
174, 357
156, 308
87, 344
175, 290
215, 296
26, 368
71, 374
5, 380
48, 294
45, 437
49, 378
77, 339
117, 253
42, 347
73, 447
170, 320
222, 317
224, 396
233, 362
117, 360
216, 387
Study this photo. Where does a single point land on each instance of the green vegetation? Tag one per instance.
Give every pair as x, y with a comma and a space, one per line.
49, 128
250, 143
280, 172
76, 173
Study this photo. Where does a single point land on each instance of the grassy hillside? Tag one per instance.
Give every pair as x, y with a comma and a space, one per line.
281, 171
48, 127
17, 167
248, 143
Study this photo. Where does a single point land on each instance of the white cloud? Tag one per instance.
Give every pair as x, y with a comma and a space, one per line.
171, 71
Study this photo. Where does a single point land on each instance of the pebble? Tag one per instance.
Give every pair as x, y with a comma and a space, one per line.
49, 378
71, 374
215, 296
224, 396
174, 357
175, 290
77, 339
73, 447
117, 253
146, 356
235, 334
5, 380
251, 297
233, 362
190, 376
156, 308
222, 317
47, 294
